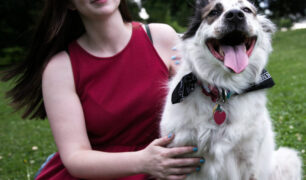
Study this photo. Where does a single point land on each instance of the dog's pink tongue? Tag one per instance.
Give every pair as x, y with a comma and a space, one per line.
235, 57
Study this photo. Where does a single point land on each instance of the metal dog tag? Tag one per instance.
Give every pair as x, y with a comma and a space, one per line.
219, 115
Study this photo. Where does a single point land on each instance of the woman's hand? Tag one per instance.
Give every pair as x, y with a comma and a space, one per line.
161, 162
175, 61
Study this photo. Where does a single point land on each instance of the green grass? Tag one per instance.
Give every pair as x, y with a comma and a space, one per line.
287, 105
18, 139
287, 100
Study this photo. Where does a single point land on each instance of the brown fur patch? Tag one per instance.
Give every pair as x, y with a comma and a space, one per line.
208, 9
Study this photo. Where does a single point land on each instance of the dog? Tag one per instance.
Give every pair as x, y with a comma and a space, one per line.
217, 99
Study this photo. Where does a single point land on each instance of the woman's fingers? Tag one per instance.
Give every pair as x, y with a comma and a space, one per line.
183, 170
186, 162
178, 151
175, 151
176, 57
164, 141
176, 177
167, 163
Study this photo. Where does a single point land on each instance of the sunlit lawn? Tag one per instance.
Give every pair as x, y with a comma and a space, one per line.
25, 144
287, 103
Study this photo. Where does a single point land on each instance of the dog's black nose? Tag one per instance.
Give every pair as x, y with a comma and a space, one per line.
235, 16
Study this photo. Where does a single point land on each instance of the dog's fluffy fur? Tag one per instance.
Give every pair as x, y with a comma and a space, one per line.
243, 147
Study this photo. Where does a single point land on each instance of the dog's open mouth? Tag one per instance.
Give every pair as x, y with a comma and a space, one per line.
234, 49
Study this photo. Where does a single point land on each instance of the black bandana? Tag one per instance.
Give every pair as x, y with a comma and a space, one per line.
188, 82
184, 88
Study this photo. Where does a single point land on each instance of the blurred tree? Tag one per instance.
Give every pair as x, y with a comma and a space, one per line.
134, 10
182, 10
172, 12
284, 8
17, 19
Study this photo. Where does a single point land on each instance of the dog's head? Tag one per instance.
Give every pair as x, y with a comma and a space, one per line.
227, 39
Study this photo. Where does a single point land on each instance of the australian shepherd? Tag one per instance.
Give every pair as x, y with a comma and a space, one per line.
217, 99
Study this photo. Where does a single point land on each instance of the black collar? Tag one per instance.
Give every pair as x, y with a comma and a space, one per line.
189, 81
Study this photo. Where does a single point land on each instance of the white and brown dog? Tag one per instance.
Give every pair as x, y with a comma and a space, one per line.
217, 100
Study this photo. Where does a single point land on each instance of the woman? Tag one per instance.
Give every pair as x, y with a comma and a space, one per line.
101, 80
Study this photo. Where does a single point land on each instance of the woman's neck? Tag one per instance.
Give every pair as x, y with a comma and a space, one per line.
106, 37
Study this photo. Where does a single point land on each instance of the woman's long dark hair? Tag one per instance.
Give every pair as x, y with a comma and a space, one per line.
57, 27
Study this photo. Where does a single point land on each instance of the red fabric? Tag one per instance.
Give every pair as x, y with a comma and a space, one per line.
122, 97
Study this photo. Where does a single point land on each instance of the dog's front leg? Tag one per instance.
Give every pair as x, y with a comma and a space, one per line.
255, 156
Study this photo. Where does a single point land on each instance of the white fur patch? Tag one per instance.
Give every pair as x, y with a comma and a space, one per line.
243, 147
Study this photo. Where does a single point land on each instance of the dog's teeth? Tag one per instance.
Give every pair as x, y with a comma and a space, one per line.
221, 52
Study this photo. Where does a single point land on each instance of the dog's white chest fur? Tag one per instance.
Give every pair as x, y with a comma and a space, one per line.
228, 148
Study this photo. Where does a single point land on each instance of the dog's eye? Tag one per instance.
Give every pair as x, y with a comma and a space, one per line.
247, 10
214, 13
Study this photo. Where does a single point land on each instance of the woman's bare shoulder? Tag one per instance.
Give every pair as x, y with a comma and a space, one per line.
58, 69
58, 60
165, 34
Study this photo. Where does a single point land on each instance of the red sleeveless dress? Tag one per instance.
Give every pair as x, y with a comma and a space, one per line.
122, 98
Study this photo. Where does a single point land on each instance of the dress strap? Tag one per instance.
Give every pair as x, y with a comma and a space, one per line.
67, 50
149, 32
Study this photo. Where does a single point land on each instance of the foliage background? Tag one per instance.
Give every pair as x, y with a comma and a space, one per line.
18, 19
25, 144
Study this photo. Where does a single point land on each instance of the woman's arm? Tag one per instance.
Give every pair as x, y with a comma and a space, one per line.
67, 122
164, 39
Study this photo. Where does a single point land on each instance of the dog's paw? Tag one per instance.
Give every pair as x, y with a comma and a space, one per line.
253, 177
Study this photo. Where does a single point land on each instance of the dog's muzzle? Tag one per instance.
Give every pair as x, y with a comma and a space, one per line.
234, 46
235, 20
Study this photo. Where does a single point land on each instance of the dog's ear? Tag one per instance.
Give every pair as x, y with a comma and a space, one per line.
196, 20
202, 3
194, 25
267, 25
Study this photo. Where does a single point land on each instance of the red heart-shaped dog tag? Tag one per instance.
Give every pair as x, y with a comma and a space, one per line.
219, 116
